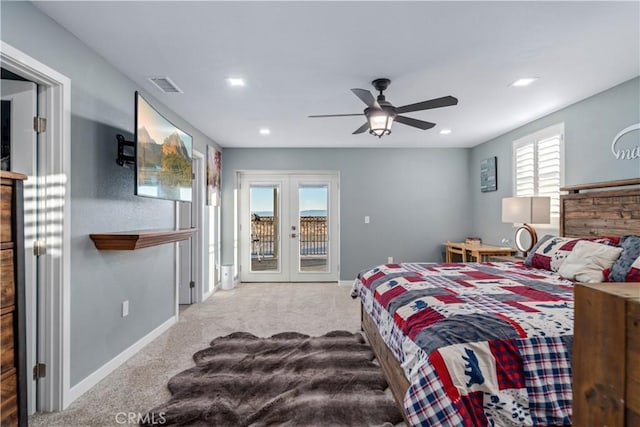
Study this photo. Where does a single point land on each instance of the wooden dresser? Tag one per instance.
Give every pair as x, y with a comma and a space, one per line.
606, 355
13, 385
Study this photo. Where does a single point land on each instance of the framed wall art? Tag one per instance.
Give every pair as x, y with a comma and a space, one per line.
489, 174
213, 176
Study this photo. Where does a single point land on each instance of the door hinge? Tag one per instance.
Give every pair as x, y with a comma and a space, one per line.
193, 176
39, 247
192, 284
39, 124
39, 371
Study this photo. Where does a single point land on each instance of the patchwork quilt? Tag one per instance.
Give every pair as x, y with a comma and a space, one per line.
486, 344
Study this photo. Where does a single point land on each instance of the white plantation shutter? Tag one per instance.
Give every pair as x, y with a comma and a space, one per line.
537, 166
525, 170
548, 169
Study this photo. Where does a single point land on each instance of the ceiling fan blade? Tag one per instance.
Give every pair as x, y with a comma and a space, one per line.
366, 97
420, 124
445, 101
362, 129
338, 115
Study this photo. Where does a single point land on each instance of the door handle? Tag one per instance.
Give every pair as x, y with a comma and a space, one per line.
293, 235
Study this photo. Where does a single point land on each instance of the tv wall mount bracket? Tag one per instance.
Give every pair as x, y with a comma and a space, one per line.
126, 152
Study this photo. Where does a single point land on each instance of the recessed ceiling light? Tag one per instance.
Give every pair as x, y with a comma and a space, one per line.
236, 81
445, 131
265, 131
524, 82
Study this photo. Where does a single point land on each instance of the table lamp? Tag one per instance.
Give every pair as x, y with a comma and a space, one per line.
526, 211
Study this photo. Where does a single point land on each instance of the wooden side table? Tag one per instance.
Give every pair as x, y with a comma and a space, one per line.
455, 249
505, 258
479, 252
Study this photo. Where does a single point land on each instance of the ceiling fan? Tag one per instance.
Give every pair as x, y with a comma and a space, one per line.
380, 113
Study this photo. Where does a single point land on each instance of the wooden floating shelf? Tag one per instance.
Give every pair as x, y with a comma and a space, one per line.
131, 240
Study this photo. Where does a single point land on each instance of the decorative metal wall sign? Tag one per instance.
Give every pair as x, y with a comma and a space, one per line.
631, 153
489, 174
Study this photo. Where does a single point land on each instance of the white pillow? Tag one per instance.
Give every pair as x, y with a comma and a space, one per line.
587, 260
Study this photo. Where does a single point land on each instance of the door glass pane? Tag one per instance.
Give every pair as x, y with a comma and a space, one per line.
265, 217
313, 205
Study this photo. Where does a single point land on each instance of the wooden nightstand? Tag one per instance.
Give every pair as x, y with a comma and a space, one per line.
505, 258
606, 354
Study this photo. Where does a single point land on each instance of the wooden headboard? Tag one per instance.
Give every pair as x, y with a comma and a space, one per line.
588, 210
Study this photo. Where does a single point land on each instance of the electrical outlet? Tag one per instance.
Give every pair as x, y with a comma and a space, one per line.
125, 308
390, 260
366, 219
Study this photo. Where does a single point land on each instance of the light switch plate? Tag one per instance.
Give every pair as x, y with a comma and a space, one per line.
125, 308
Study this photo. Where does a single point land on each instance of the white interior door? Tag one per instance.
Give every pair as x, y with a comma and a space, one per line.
213, 251
191, 282
19, 103
186, 283
289, 227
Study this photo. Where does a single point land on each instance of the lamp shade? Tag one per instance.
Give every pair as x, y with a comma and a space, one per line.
526, 210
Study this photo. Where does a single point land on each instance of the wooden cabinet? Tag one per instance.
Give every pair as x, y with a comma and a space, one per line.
13, 390
606, 355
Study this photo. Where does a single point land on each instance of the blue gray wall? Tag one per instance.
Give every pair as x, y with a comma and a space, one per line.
102, 200
416, 198
590, 126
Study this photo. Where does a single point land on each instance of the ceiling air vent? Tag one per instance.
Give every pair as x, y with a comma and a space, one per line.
165, 84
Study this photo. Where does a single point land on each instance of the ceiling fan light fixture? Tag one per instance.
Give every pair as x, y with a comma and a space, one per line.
380, 124
380, 121
381, 114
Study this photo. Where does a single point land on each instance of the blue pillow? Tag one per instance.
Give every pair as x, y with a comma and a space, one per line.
630, 252
529, 260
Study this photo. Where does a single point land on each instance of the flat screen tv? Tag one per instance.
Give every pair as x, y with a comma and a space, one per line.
163, 156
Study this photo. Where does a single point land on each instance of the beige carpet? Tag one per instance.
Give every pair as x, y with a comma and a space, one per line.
262, 309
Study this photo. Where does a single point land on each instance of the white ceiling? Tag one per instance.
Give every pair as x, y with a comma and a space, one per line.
301, 58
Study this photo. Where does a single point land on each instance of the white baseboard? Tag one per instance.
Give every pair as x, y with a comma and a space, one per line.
208, 294
345, 283
97, 376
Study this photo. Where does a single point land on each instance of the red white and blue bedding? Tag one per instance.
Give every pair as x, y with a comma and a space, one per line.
481, 344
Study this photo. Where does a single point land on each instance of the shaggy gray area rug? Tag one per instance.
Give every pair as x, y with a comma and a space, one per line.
288, 379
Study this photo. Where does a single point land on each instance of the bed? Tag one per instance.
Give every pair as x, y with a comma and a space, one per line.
488, 343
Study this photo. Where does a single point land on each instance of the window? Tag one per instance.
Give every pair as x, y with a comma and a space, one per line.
538, 164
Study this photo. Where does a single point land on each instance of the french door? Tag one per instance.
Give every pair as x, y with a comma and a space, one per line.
289, 227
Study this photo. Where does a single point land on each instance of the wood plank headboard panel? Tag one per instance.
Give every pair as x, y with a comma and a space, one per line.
601, 213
